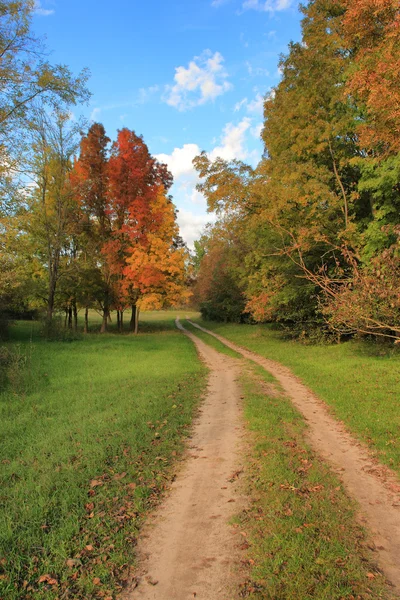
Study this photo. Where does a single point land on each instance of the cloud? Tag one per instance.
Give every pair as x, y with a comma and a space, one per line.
95, 113
256, 71
256, 130
202, 81
233, 142
181, 159
191, 225
240, 105
43, 12
267, 5
192, 206
145, 94
218, 3
254, 107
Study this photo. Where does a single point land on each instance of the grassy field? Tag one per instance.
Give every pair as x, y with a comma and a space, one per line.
302, 537
89, 430
360, 381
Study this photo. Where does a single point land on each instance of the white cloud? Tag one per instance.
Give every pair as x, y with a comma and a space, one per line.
256, 130
192, 216
43, 12
95, 113
180, 161
240, 105
145, 94
254, 107
218, 3
191, 225
202, 81
256, 71
267, 5
233, 142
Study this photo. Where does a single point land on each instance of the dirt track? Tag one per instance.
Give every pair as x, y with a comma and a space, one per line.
189, 550
373, 486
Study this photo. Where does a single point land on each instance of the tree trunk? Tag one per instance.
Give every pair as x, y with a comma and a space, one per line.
121, 320
105, 313
66, 318
50, 303
137, 320
104, 322
132, 324
75, 310
118, 321
86, 328
70, 317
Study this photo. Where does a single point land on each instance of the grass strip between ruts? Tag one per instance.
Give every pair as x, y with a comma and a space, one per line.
302, 536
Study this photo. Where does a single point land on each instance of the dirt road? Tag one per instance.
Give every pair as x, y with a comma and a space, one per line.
375, 488
189, 550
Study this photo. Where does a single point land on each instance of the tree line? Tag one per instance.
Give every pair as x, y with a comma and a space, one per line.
84, 223
311, 236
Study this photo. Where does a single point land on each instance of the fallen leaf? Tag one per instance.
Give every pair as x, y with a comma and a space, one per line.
48, 579
95, 483
72, 562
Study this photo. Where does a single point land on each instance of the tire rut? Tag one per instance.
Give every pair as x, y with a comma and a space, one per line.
188, 549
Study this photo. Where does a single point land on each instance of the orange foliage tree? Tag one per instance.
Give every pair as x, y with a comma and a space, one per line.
132, 222
372, 29
135, 179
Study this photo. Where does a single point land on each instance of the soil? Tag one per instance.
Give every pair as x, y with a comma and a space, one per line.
375, 488
189, 549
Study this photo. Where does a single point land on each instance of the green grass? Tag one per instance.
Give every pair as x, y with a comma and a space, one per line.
360, 381
211, 341
89, 431
302, 538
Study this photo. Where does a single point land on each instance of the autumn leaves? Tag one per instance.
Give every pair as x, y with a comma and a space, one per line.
310, 237
126, 226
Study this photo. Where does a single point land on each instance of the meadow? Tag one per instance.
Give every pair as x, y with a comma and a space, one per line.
92, 429
89, 429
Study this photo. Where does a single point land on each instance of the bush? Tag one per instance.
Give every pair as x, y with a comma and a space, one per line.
13, 369
55, 331
3, 328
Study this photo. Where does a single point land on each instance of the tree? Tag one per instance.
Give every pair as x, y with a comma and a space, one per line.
26, 76
218, 289
91, 185
156, 267
372, 29
50, 204
135, 178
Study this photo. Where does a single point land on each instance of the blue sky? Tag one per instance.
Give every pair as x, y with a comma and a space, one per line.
189, 75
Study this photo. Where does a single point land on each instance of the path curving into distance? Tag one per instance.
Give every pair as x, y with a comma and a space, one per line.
188, 549
373, 486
